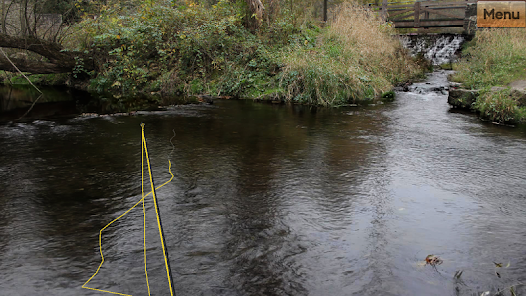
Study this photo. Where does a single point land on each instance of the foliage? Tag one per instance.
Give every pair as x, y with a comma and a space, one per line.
154, 47
190, 43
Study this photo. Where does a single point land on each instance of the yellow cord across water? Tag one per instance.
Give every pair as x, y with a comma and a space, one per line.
144, 209
144, 150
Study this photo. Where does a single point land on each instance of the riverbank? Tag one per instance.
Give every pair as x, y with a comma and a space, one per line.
491, 76
150, 52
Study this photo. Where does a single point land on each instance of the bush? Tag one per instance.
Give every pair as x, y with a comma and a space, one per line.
193, 49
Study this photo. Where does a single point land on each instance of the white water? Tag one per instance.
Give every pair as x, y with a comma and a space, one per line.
439, 49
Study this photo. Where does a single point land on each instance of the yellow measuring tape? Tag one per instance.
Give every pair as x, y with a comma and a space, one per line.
144, 150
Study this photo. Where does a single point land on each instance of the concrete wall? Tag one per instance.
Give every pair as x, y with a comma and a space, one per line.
470, 21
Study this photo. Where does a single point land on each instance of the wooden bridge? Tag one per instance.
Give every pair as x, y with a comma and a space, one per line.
424, 14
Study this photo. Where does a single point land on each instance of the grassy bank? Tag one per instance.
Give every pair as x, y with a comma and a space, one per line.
39, 79
495, 57
155, 50
353, 59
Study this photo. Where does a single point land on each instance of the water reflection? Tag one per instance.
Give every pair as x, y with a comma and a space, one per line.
267, 200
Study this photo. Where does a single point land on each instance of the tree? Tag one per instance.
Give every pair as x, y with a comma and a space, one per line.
36, 26
58, 61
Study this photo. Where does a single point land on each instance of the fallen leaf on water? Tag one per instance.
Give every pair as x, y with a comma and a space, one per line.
433, 260
508, 265
497, 264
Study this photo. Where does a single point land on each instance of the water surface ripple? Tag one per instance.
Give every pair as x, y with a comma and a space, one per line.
268, 200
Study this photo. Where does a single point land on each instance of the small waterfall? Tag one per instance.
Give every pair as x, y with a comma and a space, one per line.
439, 49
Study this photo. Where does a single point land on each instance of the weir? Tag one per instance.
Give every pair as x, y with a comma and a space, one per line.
438, 48
422, 15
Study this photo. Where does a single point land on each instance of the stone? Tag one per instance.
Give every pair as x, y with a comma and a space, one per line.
519, 95
518, 91
470, 19
462, 98
498, 88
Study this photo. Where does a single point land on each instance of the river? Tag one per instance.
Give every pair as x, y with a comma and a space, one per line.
268, 200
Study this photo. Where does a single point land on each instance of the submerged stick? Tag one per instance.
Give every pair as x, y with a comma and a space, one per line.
19, 70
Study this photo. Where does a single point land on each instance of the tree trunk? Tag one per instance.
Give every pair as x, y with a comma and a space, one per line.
2, 21
33, 67
59, 62
257, 9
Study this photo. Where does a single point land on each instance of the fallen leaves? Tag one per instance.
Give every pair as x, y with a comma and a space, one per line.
433, 260
499, 265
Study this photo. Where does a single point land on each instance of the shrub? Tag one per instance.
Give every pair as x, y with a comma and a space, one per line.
195, 49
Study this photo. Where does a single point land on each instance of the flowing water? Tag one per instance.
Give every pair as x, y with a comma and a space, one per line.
268, 200
437, 48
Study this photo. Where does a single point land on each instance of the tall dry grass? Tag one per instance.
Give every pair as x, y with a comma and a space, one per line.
355, 58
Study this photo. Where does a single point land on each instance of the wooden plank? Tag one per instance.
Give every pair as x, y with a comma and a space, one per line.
384, 10
448, 8
410, 24
391, 15
417, 15
403, 17
429, 3
441, 13
437, 3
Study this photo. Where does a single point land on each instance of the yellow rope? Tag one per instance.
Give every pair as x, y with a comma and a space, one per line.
144, 151
144, 215
156, 212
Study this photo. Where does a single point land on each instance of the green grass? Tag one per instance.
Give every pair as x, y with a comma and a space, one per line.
495, 57
38, 79
499, 106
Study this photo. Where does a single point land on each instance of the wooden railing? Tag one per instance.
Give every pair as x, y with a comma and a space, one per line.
435, 13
